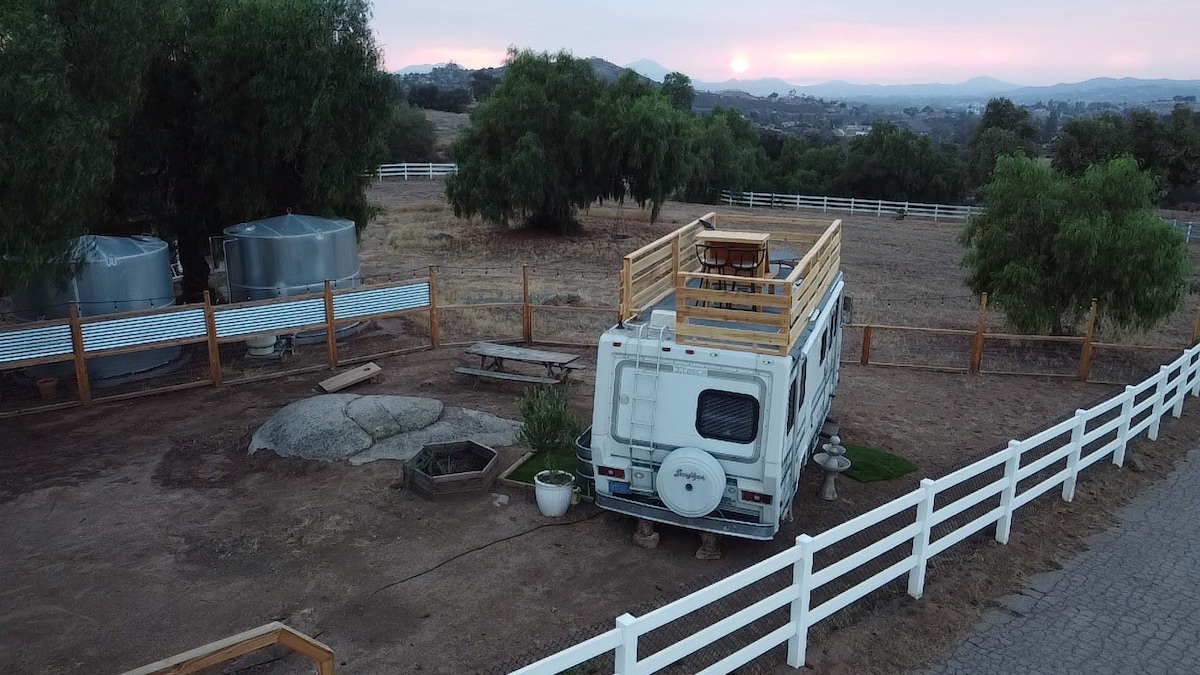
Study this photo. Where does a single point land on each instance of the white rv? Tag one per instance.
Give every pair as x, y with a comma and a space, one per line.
712, 390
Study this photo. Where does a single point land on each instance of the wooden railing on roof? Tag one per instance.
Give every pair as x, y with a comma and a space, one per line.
768, 321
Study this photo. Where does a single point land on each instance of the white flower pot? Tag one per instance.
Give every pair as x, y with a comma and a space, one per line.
552, 498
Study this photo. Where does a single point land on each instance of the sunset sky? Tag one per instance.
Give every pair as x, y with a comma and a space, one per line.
1021, 41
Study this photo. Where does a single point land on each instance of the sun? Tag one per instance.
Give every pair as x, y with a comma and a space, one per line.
739, 64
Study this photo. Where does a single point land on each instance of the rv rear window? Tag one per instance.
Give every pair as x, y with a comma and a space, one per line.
727, 416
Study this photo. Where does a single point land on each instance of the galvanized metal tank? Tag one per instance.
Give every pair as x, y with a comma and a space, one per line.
116, 274
290, 255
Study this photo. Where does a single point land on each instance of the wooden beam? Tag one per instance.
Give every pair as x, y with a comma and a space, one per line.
214, 347
330, 326
977, 345
865, 358
526, 308
227, 649
84, 384
1085, 356
434, 331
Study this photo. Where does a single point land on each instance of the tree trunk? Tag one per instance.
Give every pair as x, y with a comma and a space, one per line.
192, 249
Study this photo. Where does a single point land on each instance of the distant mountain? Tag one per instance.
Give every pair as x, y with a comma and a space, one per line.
648, 69
761, 87
419, 69
1128, 90
1123, 90
839, 89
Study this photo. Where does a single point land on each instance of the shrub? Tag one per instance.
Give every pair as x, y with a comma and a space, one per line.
549, 427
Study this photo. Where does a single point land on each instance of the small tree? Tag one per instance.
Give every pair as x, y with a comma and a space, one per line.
1004, 129
549, 426
527, 153
1047, 244
411, 137
1084, 141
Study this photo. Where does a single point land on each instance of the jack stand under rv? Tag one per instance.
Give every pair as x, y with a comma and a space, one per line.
646, 536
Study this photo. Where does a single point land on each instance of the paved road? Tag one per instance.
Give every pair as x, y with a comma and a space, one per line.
1129, 604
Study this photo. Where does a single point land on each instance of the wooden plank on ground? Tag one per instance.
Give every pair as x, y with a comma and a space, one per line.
201, 658
350, 377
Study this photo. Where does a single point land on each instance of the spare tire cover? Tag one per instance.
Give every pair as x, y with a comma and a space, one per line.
691, 482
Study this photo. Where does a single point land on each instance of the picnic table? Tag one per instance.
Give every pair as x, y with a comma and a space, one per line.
492, 358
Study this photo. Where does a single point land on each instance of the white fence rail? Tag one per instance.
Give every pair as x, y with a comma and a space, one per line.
874, 207
1191, 231
407, 170
1090, 436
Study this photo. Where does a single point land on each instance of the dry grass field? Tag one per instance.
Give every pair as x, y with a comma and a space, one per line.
139, 529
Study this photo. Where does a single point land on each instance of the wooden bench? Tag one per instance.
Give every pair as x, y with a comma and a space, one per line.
512, 377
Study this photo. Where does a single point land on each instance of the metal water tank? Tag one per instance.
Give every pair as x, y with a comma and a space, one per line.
290, 255
116, 274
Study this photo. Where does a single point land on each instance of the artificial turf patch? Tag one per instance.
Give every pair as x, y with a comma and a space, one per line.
868, 465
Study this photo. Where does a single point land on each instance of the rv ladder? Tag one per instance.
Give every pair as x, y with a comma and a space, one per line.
645, 394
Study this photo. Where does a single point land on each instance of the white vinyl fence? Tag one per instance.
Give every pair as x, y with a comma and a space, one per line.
1191, 231
407, 170
875, 207
1090, 436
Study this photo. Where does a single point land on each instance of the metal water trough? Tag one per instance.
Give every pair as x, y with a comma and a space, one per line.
455, 468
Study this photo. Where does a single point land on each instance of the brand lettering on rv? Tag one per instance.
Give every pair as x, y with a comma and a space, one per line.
690, 475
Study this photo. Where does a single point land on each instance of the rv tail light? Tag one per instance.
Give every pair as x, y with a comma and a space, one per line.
755, 497
616, 344
612, 473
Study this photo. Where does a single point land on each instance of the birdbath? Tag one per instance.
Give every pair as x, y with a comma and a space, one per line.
832, 460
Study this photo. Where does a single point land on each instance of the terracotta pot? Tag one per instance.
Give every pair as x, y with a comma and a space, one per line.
47, 387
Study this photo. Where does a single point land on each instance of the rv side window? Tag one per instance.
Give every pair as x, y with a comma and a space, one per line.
727, 416
791, 413
824, 345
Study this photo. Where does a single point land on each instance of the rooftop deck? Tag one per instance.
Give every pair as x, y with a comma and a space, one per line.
765, 313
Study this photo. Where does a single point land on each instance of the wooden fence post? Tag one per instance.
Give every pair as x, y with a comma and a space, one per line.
976, 361
214, 352
801, 571
916, 578
865, 357
626, 304
526, 308
434, 333
330, 326
1085, 357
81, 374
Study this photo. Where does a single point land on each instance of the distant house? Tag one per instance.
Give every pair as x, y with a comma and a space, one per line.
852, 130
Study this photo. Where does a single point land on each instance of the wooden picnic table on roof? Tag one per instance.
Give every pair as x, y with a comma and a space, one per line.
492, 356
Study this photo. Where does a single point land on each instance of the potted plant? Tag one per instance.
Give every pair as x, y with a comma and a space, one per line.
549, 428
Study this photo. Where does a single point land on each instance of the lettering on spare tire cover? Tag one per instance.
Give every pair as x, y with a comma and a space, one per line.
691, 475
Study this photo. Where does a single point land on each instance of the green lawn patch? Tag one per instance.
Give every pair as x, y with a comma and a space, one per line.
563, 459
868, 465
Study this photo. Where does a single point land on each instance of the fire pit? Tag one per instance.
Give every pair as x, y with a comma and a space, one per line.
443, 469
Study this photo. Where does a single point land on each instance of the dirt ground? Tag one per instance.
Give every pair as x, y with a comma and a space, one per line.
139, 529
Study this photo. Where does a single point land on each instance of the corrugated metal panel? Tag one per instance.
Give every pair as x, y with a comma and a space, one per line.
35, 343
280, 317
367, 302
143, 330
